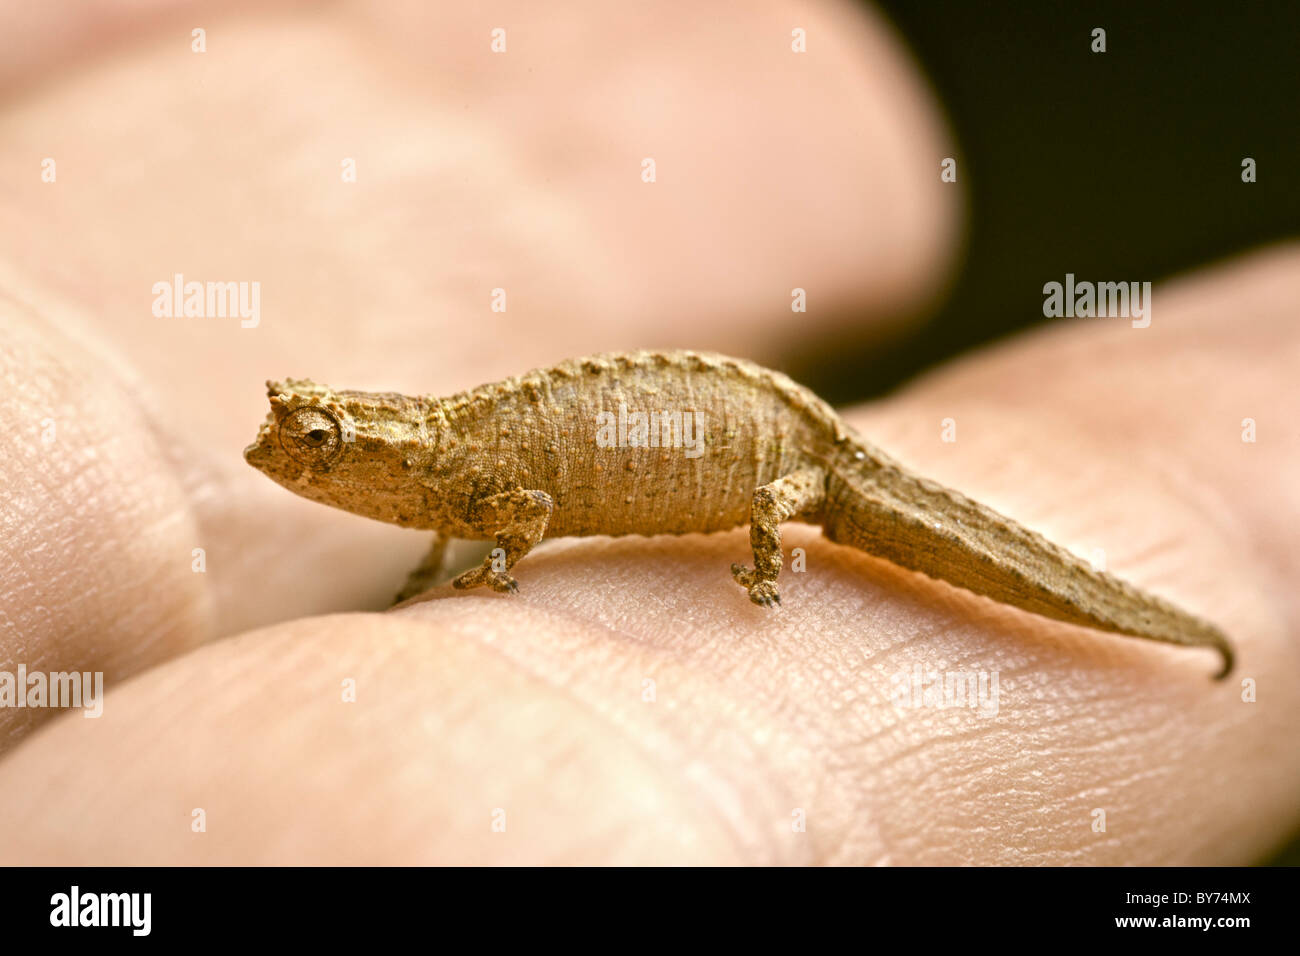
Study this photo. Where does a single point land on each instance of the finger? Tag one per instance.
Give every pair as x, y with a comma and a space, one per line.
449, 752
97, 560
42, 38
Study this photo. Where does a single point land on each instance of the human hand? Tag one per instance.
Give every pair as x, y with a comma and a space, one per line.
536, 704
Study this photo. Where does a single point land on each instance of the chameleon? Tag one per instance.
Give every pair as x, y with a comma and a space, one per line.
670, 442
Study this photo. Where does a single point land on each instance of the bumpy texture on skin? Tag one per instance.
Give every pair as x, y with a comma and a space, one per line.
529, 456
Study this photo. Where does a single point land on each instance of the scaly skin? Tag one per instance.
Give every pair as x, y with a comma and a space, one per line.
529, 456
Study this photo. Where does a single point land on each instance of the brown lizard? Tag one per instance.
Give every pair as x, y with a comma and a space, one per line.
670, 443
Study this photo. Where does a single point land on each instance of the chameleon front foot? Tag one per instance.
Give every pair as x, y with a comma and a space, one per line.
762, 593
480, 577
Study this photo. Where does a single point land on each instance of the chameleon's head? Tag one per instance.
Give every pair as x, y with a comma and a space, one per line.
351, 450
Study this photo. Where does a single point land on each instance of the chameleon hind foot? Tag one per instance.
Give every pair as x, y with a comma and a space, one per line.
762, 593
481, 577
799, 493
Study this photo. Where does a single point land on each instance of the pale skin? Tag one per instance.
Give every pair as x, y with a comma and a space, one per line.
224, 686
535, 455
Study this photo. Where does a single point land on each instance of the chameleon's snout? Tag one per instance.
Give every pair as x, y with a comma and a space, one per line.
255, 455
259, 453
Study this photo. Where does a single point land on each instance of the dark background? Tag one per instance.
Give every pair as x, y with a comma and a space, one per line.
1123, 165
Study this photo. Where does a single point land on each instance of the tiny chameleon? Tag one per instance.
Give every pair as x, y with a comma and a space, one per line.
517, 460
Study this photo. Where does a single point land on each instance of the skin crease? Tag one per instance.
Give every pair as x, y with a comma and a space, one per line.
468, 702
534, 704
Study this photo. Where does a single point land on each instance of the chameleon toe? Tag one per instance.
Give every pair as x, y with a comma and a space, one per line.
743, 576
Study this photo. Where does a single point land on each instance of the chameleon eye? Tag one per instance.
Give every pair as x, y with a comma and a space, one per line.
311, 436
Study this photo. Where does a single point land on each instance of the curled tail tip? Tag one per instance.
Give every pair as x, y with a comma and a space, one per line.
1224, 647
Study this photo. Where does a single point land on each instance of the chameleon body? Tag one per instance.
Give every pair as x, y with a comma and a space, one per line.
561, 451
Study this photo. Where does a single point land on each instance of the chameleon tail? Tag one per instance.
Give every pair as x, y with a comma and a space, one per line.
880, 508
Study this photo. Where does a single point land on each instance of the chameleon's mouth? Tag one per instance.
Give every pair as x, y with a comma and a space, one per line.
255, 453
